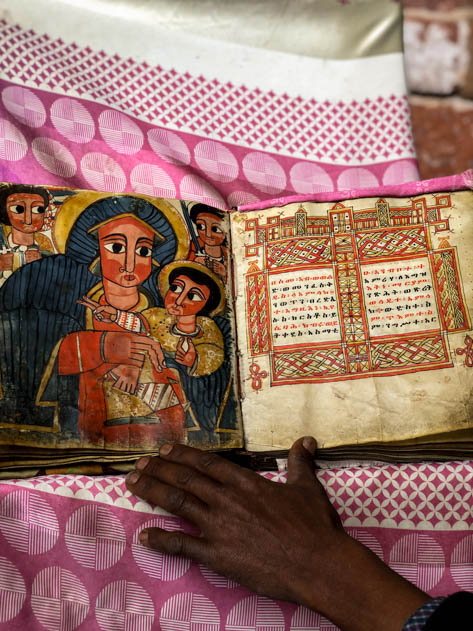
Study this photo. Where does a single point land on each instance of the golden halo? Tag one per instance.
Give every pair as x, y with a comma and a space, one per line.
163, 280
76, 204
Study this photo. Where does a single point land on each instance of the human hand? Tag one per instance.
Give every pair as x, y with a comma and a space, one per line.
131, 349
185, 352
6, 261
281, 540
126, 377
220, 270
105, 313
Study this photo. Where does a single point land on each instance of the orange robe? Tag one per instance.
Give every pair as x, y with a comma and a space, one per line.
82, 353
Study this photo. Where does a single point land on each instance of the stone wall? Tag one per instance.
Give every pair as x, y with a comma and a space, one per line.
438, 38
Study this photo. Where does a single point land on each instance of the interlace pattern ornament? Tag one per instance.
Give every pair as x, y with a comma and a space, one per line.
258, 313
392, 243
428, 350
298, 252
299, 365
451, 300
387, 301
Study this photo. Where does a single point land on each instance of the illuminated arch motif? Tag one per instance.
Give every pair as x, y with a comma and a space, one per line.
384, 297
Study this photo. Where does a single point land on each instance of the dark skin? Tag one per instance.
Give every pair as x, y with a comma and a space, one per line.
273, 538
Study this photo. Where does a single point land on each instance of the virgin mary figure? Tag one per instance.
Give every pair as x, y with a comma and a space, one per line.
111, 250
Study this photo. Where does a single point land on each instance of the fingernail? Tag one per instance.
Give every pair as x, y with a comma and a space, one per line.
310, 444
143, 537
133, 477
142, 463
165, 450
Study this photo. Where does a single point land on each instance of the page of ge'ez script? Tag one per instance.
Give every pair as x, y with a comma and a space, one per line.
353, 319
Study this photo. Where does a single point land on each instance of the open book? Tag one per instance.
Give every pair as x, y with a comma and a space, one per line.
128, 321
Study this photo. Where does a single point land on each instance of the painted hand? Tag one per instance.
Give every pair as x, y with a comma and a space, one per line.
105, 313
126, 377
219, 269
32, 255
132, 349
185, 352
6, 262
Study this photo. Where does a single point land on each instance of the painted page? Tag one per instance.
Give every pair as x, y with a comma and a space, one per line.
116, 324
354, 319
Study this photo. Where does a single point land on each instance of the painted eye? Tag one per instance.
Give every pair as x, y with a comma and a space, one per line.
176, 289
195, 296
217, 230
17, 209
38, 210
200, 225
116, 248
143, 250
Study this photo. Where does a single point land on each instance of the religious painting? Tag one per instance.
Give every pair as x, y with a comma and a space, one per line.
115, 319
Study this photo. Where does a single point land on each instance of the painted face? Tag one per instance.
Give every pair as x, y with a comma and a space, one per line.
125, 251
185, 297
209, 229
26, 211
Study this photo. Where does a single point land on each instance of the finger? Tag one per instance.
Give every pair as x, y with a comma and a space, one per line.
209, 464
148, 348
137, 361
90, 301
176, 543
85, 304
154, 359
181, 476
119, 385
300, 464
173, 499
142, 343
159, 352
147, 345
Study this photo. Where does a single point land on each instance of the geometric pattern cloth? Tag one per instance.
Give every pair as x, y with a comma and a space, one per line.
70, 556
197, 118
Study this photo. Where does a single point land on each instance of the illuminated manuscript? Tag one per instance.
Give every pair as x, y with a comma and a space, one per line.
116, 325
357, 314
127, 321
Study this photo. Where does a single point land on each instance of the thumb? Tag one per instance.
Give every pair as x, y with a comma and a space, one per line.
300, 464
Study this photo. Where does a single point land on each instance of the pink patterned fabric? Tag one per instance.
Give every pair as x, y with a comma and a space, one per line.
455, 182
210, 141
74, 142
70, 556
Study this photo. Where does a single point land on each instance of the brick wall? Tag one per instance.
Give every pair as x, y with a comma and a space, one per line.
438, 39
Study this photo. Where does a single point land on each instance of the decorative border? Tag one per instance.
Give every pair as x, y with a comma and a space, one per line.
343, 242
258, 314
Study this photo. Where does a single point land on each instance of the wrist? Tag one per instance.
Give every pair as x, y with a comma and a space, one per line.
354, 589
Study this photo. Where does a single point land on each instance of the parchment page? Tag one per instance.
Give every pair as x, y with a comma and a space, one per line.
353, 319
